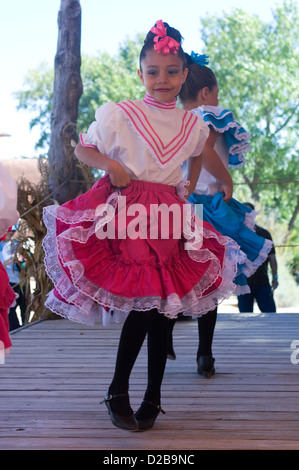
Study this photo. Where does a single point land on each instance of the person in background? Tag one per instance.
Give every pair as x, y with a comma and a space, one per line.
261, 290
8, 216
10, 262
199, 94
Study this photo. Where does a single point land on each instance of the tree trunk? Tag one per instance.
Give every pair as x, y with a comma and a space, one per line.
63, 166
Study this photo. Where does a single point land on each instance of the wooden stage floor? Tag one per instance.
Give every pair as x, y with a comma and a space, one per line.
53, 381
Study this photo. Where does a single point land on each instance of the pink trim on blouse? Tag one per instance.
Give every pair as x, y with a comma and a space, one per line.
148, 99
163, 152
84, 144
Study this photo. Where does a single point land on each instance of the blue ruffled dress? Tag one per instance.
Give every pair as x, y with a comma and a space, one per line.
232, 219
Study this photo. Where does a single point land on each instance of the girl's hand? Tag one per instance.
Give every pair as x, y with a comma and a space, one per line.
189, 190
227, 189
118, 175
92, 157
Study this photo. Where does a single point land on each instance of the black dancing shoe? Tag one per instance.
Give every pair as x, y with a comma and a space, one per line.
171, 354
205, 366
147, 414
124, 422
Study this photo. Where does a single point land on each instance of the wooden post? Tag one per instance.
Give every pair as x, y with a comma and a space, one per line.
63, 165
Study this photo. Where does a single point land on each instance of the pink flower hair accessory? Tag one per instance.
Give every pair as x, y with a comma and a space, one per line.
164, 43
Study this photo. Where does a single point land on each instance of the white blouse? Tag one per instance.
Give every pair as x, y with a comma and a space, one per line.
8, 201
150, 139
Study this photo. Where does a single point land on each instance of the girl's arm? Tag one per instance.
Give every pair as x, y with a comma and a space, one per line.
194, 169
92, 157
214, 165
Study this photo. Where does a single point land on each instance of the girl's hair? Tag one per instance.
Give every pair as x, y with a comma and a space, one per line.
199, 76
149, 43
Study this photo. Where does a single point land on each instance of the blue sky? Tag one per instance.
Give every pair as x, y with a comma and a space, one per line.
28, 36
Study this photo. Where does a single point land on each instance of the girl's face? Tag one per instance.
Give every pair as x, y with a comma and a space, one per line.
162, 75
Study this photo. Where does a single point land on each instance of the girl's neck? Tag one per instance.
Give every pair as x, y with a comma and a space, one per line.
148, 99
189, 105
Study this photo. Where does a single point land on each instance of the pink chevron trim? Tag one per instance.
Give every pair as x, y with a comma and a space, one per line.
144, 128
153, 130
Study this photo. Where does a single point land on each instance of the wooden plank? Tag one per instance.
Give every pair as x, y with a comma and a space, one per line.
52, 384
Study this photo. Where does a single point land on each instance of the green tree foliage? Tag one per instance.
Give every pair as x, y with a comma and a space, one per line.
36, 97
105, 78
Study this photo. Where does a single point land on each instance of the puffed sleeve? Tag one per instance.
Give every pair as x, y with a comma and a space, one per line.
102, 132
236, 138
8, 201
202, 133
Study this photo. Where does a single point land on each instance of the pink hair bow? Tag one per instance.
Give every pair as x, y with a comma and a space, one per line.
163, 43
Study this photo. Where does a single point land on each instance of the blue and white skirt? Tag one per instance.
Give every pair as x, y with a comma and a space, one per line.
236, 221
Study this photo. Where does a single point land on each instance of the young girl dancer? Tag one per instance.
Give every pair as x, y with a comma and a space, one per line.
101, 256
8, 216
199, 94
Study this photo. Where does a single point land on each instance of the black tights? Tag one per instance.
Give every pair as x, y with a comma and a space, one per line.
206, 327
135, 329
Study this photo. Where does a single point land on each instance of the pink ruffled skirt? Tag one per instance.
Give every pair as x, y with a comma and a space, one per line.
7, 298
104, 252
